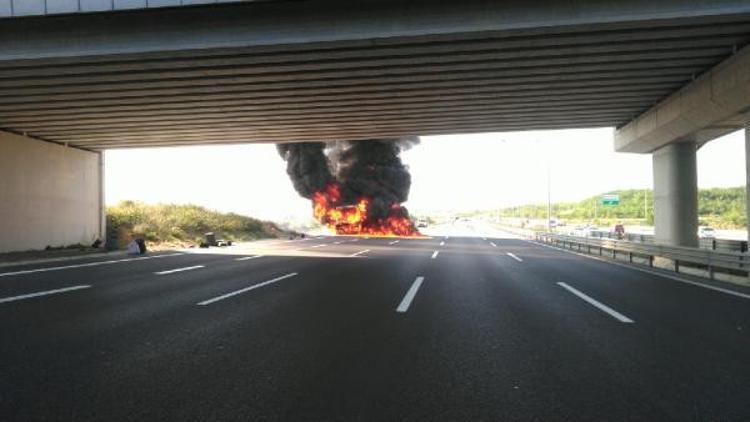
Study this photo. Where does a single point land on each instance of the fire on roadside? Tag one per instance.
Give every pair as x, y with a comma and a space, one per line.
356, 220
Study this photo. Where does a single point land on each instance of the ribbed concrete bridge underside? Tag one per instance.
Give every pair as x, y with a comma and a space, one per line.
167, 77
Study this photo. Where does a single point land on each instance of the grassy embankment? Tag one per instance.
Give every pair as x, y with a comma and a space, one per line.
171, 225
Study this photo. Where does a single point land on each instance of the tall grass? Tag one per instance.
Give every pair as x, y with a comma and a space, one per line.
181, 224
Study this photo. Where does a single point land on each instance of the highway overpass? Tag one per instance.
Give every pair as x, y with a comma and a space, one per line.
79, 77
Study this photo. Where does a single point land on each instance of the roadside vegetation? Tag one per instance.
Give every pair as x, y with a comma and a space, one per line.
183, 225
722, 208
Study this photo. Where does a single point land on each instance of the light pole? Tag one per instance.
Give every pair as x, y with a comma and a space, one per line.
549, 188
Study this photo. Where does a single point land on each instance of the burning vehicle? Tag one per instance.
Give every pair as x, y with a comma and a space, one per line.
357, 219
356, 188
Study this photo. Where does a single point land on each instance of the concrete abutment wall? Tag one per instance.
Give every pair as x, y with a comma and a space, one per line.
51, 195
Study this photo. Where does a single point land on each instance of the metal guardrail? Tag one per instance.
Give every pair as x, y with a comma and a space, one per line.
705, 243
737, 263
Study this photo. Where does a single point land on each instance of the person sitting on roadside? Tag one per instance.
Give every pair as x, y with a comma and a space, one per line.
620, 231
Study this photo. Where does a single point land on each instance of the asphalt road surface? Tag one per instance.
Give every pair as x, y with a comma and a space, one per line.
347, 329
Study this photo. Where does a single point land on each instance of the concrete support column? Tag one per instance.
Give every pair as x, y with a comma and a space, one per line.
676, 195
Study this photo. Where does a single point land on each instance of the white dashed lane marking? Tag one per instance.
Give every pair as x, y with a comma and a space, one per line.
247, 258
44, 293
179, 270
602, 307
510, 254
246, 289
409, 297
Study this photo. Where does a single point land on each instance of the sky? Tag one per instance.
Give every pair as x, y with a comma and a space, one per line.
449, 173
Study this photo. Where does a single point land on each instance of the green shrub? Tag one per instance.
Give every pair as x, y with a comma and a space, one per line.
717, 207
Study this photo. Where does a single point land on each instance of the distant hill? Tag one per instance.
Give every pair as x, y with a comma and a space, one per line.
183, 224
717, 207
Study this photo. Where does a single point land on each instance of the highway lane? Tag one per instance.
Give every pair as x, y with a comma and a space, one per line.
486, 336
65, 333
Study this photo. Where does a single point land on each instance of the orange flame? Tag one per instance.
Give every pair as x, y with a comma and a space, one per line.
354, 219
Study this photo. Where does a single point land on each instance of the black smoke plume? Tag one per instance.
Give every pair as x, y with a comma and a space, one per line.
307, 166
373, 169
362, 169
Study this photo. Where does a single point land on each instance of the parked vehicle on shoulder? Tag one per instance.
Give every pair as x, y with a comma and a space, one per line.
581, 231
706, 232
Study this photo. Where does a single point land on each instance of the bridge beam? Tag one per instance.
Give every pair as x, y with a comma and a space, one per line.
711, 106
52, 195
284, 24
676, 195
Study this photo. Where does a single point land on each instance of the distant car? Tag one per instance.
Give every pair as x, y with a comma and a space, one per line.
706, 233
581, 231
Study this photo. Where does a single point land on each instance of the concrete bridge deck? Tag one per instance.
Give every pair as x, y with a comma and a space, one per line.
321, 70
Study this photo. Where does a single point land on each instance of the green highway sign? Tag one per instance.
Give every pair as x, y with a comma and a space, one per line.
611, 199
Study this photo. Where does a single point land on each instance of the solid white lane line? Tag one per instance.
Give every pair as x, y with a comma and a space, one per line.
246, 289
360, 252
409, 297
656, 273
510, 254
336, 243
493, 244
179, 270
247, 258
602, 307
88, 264
393, 243
442, 243
435, 254
45, 293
